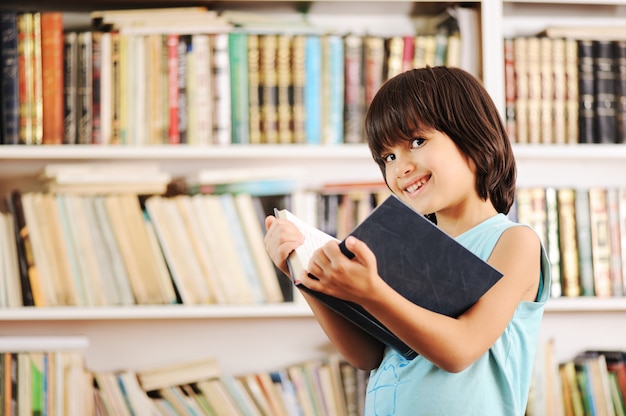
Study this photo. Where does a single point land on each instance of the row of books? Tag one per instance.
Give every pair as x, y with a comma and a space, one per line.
124, 249
565, 90
118, 249
38, 383
591, 383
584, 232
60, 384
209, 85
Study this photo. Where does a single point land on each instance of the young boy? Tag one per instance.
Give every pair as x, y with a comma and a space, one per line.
442, 148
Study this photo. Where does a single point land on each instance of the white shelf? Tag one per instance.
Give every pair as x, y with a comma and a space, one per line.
157, 312
586, 304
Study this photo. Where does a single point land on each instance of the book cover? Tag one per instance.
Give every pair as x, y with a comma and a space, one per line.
412, 255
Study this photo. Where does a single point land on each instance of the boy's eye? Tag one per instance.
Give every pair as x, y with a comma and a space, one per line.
389, 158
417, 142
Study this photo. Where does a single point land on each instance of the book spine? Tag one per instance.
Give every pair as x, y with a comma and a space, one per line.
353, 84
520, 60
600, 242
583, 239
298, 73
105, 115
332, 89
221, 89
37, 90
570, 275
201, 86
52, 67
533, 59
546, 73
313, 90
620, 83
408, 52
612, 205
268, 88
586, 92
605, 99
9, 78
70, 97
394, 50
374, 57
25, 46
254, 99
172, 65
183, 47
553, 241
32, 293
509, 88
96, 87
116, 77
238, 61
85, 88
559, 103
285, 87
572, 96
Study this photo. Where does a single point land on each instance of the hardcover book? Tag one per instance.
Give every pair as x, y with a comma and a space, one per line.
414, 257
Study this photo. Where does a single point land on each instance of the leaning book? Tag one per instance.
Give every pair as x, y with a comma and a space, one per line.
413, 256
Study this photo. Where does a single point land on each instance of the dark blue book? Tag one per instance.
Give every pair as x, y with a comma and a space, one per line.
414, 256
10, 99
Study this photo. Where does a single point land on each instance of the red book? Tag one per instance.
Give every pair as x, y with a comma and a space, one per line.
172, 69
52, 73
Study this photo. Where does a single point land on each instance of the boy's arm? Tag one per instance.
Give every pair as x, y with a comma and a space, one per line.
357, 347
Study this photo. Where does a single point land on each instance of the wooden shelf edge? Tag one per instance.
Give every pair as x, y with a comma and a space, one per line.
157, 312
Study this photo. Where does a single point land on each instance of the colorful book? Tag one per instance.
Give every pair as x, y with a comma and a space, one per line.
313, 90
238, 61
388, 231
332, 91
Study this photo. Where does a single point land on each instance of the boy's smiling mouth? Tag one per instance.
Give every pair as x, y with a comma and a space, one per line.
415, 186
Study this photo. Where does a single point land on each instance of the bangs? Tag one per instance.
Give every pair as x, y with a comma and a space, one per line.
396, 114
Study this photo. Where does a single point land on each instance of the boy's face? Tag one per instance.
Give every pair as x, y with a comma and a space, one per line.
430, 173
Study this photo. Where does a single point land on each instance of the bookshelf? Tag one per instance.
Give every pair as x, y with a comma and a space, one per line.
261, 337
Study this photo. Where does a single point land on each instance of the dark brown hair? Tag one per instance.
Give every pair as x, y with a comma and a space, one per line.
453, 102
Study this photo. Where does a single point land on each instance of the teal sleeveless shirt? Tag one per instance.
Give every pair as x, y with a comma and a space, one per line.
497, 384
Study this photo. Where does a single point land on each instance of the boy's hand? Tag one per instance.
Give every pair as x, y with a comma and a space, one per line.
281, 239
339, 276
